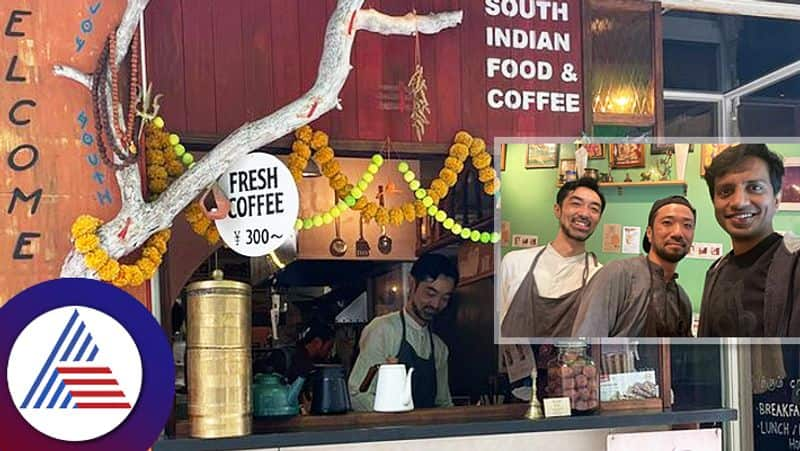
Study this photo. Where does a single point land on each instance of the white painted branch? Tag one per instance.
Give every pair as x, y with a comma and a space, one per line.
74, 75
334, 69
127, 27
377, 22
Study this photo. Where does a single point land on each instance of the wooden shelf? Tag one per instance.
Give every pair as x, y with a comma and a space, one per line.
621, 185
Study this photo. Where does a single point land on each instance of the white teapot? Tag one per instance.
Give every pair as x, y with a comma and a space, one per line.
393, 392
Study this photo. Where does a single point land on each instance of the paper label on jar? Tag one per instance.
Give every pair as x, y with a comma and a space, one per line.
557, 407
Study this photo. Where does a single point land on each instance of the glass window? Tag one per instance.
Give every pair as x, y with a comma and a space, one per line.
701, 48
696, 376
690, 119
772, 111
691, 65
622, 63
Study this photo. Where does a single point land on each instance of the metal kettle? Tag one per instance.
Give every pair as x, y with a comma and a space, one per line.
330, 392
271, 397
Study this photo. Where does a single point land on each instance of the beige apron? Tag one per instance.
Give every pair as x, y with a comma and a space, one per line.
532, 315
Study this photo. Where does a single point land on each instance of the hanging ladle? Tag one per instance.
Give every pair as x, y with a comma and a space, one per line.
384, 242
338, 247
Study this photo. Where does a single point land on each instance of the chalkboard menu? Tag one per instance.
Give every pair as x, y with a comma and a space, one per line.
776, 398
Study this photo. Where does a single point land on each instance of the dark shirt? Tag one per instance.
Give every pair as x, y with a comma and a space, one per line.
736, 307
301, 365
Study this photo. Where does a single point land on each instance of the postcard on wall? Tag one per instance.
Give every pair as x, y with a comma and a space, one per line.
505, 233
612, 238
525, 241
705, 251
631, 238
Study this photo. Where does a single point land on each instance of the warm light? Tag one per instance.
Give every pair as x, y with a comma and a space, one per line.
394, 288
622, 101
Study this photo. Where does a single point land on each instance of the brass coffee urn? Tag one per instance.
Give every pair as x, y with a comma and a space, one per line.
219, 357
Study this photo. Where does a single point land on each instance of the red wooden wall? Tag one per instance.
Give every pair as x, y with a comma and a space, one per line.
223, 63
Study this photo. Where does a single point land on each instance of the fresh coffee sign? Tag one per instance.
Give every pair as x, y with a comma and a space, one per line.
264, 203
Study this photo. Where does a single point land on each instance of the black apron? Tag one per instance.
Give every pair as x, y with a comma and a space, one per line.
423, 379
532, 315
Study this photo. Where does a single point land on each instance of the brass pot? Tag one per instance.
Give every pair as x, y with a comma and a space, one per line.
218, 358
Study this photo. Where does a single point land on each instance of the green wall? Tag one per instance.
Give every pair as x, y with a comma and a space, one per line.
528, 196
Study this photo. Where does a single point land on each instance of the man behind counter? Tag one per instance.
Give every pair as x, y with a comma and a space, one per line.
405, 337
754, 291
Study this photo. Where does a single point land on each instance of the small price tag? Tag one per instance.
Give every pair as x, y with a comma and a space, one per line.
557, 407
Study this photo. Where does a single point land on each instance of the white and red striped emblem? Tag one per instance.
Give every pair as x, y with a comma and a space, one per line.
93, 387
77, 373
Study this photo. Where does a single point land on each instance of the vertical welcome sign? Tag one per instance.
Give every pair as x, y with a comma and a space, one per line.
50, 171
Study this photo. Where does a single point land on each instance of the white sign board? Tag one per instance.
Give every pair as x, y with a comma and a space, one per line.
690, 440
264, 205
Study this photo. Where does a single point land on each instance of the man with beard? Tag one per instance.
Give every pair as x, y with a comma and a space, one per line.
405, 337
539, 285
639, 296
754, 291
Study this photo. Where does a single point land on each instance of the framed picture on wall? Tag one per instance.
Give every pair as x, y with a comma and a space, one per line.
790, 191
707, 154
541, 156
596, 151
626, 155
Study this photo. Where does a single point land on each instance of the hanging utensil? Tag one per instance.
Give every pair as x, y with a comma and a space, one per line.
221, 205
384, 242
362, 245
338, 247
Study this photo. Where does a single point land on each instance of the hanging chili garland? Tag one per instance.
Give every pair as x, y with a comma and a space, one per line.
418, 87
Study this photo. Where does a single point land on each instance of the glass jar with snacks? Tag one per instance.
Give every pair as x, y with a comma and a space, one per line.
573, 374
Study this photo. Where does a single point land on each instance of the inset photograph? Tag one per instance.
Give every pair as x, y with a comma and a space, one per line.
690, 239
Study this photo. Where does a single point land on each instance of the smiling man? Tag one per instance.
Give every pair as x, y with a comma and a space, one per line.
640, 296
539, 285
754, 291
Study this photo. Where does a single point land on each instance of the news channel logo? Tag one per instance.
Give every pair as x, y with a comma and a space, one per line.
87, 368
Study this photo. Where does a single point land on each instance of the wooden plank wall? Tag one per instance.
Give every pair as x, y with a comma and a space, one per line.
35, 232
223, 63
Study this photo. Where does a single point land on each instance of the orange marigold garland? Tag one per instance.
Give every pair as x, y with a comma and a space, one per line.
464, 146
167, 159
86, 241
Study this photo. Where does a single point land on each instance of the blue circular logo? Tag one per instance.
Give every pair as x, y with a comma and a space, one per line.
87, 368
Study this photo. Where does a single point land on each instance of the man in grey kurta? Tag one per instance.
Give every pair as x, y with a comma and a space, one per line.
640, 296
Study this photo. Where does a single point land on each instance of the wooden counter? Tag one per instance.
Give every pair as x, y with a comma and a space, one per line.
418, 417
428, 423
